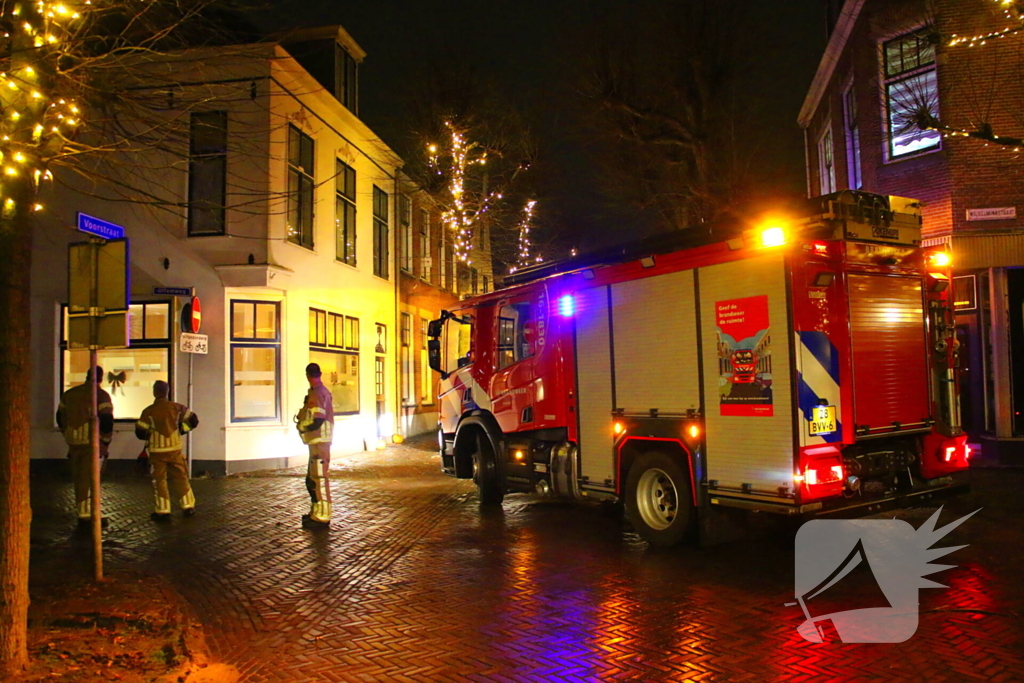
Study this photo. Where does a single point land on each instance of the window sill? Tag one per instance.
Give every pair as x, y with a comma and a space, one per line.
915, 155
253, 425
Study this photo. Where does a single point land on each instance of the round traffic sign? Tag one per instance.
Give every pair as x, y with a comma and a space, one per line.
196, 314
191, 316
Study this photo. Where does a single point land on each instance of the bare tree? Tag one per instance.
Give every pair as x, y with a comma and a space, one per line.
666, 112
469, 151
87, 87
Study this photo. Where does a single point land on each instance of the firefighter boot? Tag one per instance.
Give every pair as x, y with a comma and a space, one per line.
85, 516
163, 509
188, 504
319, 517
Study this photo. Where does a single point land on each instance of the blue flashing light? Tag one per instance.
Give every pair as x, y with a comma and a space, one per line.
566, 306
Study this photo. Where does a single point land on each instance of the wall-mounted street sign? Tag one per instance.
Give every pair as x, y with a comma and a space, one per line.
100, 228
194, 343
174, 291
1001, 213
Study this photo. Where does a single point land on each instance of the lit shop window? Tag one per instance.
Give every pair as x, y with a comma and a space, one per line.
255, 361
128, 374
334, 346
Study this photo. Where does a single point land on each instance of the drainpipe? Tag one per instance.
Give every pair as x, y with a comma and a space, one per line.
397, 337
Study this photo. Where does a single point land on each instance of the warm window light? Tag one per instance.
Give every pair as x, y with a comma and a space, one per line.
773, 237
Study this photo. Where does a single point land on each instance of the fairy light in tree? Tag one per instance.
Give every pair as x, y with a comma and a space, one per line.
466, 208
524, 225
36, 119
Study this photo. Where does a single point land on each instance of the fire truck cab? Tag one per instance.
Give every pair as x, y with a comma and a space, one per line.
802, 371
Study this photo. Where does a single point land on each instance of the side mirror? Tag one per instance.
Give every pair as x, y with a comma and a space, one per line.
434, 328
434, 354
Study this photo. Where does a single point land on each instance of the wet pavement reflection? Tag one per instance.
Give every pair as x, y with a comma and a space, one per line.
416, 582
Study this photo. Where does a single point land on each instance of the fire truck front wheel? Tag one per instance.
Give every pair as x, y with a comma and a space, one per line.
486, 475
658, 500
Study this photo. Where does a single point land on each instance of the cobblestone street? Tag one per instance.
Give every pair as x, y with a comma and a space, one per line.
415, 582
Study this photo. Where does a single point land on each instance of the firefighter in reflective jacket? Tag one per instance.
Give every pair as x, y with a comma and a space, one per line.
73, 419
315, 423
161, 426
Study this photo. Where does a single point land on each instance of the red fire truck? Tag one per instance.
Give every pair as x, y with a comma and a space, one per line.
609, 377
744, 370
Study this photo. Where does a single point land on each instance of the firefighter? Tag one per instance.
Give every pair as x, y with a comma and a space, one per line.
161, 426
73, 420
315, 423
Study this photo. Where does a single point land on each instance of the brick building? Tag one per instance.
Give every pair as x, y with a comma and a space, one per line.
887, 64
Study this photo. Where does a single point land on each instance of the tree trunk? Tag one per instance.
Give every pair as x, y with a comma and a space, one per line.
15, 383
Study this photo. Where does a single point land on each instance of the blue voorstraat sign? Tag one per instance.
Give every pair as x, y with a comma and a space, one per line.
100, 228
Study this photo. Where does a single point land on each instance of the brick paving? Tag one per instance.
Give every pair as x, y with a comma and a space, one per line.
415, 582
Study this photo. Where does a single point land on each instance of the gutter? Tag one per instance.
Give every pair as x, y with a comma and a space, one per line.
827, 66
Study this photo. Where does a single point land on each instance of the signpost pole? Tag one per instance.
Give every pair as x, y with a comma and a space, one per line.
97, 517
188, 443
94, 418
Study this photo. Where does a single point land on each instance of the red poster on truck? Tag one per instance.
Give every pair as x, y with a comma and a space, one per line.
744, 357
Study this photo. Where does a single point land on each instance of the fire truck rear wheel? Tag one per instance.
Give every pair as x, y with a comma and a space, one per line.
658, 500
485, 472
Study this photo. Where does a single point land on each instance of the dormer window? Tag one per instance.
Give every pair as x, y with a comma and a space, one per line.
346, 79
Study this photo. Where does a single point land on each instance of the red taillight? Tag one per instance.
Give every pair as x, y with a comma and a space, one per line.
819, 248
823, 474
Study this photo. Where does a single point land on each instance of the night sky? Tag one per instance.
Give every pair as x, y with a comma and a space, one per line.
531, 48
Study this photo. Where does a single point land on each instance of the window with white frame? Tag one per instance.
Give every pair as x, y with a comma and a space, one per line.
426, 251
408, 371
207, 173
128, 374
826, 162
345, 213
334, 346
852, 126
346, 79
300, 188
911, 93
255, 361
380, 233
405, 232
426, 376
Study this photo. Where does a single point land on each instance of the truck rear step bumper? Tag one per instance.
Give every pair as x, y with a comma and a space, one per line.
859, 509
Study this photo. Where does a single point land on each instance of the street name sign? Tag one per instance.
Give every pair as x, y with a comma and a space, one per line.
173, 291
100, 228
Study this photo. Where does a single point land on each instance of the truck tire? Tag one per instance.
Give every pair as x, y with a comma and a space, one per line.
658, 500
486, 475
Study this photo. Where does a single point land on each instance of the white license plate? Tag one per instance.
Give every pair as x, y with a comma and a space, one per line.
823, 420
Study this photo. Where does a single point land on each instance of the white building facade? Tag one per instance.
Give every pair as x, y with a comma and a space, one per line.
287, 235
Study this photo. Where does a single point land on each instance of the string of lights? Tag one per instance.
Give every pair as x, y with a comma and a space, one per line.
524, 225
462, 216
1013, 10
35, 120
